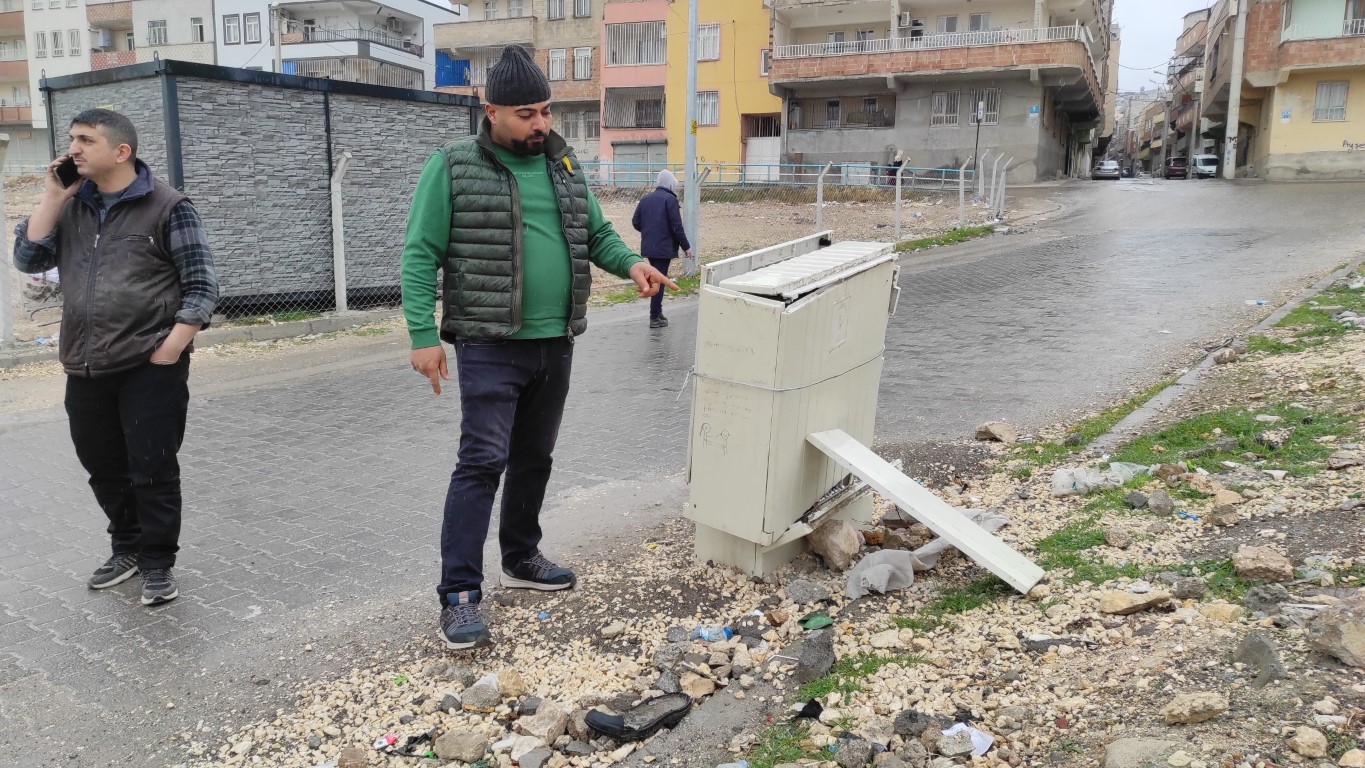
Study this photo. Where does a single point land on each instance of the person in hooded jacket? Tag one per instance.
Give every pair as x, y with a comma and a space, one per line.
659, 223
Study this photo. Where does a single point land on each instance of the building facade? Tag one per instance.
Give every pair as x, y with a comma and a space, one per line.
1301, 84
861, 80
390, 43
738, 118
635, 63
563, 36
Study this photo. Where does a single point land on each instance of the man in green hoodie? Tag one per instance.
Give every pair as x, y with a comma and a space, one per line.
508, 218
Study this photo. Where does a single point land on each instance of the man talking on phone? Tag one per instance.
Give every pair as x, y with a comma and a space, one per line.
508, 218
138, 284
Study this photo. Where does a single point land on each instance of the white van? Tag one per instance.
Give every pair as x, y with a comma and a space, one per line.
1204, 166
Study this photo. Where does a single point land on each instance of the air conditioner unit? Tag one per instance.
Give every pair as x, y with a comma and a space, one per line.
904, 21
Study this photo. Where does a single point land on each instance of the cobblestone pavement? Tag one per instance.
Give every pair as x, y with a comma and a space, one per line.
313, 500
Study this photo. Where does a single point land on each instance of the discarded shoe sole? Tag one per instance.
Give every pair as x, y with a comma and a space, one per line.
643, 719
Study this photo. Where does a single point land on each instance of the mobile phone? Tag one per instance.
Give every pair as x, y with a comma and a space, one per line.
67, 173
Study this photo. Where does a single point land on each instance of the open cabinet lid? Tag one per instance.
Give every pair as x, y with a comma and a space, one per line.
800, 274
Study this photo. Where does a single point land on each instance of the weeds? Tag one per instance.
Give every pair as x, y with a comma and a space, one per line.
1063, 551
1091, 428
953, 237
777, 745
844, 677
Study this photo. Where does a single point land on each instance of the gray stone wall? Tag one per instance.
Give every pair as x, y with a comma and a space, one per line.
255, 164
140, 100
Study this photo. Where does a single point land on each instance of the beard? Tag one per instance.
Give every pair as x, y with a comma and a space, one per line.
530, 147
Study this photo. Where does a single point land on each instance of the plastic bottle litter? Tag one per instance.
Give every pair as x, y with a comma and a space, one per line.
712, 634
1255, 302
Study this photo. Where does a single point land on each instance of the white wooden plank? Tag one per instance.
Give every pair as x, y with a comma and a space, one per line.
982, 547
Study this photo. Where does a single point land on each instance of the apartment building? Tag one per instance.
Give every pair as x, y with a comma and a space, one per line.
183, 30
1301, 84
635, 63
1151, 133
62, 40
1185, 82
738, 118
563, 36
27, 146
861, 80
389, 43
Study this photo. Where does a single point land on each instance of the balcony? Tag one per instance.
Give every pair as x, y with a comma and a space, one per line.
633, 108
109, 14
483, 34
14, 69
1055, 50
111, 59
1191, 43
12, 23
16, 114
1323, 46
841, 114
350, 34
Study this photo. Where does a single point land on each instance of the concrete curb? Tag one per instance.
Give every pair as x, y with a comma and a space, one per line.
1133, 422
233, 334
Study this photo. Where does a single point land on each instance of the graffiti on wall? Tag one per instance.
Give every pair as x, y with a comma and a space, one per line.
1350, 147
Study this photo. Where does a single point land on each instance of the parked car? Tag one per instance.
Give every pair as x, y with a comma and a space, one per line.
1107, 169
1177, 168
1204, 166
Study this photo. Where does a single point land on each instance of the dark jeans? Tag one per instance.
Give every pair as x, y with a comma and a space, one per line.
512, 397
656, 302
127, 429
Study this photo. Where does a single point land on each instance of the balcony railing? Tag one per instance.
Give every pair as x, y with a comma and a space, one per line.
933, 42
110, 59
16, 114
1348, 28
815, 118
345, 34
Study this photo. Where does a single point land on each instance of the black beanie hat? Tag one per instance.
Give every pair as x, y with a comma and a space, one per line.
516, 80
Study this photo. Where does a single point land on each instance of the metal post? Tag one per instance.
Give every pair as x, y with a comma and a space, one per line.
899, 173
1234, 118
980, 177
980, 113
820, 198
7, 304
338, 234
691, 190
995, 172
962, 193
1000, 190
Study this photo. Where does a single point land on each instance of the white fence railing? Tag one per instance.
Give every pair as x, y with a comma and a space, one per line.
1348, 28
934, 42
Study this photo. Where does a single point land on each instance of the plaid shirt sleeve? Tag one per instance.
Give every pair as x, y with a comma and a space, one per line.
189, 246
34, 256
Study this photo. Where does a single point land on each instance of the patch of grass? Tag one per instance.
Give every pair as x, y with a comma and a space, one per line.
952, 237
1219, 576
777, 745
1091, 428
1315, 323
1339, 743
844, 677
1259, 343
1065, 550
917, 623
969, 596
687, 286
1077, 536
1353, 575
370, 330
1301, 454
295, 316
1022, 473
1068, 745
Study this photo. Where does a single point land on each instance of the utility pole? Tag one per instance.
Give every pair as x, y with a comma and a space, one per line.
277, 19
980, 113
691, 189
1231, 130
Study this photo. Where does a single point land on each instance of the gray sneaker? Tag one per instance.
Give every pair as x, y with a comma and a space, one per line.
158, 586
115, 571
536, 572
461, 627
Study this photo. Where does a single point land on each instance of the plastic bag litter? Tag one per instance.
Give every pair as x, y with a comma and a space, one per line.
893, 569
981, 742
1078, 481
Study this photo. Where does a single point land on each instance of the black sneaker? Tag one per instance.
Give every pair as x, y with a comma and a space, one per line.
538, 573
158, 586
115, 570
461, 627
658, 322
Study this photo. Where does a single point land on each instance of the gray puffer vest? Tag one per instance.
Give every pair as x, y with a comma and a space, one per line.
483, 265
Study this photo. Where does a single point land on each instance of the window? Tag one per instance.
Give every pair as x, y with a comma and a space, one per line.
232, 30
632, 43
568, 125
649, 113
128, 42
708, 42
514, 9
944, 108
38, 6
197, 30
556, 9
980, 22
833, 113
490, 10
765, 61
73, 42
54, 4
40, 45
72, 3
1331, 102
592, 125
1288, 15
251, 27
708, 108
156, 32
947, 25
582, 63
991, 98
582, 9
57, 49
557, 64
870, 106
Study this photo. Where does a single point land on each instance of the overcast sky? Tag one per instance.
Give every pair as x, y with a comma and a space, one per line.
1150, 28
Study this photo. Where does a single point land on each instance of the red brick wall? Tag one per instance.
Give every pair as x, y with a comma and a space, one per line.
1340, 51
1067, 54
1265, 21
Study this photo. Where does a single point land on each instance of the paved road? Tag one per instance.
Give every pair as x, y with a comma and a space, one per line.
314, 492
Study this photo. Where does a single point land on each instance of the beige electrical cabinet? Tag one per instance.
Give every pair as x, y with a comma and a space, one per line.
790, 341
